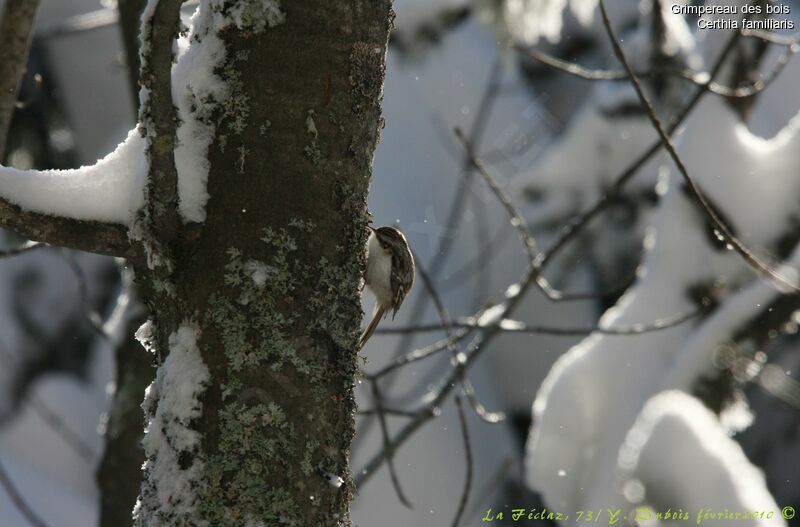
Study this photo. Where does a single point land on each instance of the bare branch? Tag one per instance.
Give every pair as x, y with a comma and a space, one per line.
110, 239
518, 222
51, 418
462, 504
387, 446
61, 428
774, 38
458, 357
457, 205
16, 28
697, 78
577, 70
516, 219
158, 117
89, 313
25, 247
515, 326
19, 502
419, 354
571, 231
387, 411
713, 219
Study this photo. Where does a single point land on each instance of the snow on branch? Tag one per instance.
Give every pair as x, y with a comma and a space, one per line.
104, 192
85, 208
92, 207
675, 436
532, 20
598, 390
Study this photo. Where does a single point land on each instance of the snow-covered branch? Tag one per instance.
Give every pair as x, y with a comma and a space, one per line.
74, 208
91, 208
85, 208
157, 115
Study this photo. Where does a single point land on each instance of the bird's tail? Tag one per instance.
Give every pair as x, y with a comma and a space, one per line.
376, 318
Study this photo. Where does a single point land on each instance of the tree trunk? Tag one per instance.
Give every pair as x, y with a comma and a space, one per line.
256, 311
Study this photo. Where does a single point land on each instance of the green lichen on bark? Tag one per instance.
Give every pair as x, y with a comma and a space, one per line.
277, 435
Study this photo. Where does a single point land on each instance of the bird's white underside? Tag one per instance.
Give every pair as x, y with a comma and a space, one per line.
379, 271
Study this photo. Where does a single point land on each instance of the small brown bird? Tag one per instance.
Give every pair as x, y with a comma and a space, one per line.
390, 274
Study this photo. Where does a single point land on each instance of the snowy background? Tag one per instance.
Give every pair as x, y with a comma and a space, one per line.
705, 414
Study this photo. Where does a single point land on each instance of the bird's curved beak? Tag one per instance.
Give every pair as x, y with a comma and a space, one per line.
370, 227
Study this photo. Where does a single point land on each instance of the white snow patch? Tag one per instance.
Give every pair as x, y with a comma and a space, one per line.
335, 480
257, 15
146, 335
258, 271
110, 190
683, 459
413, 14
595, 393
311, 126
491, 316
535, 19
177, 388
196, 91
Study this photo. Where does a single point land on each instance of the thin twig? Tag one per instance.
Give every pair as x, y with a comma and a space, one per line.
51, 418
570, 231
19, 502
387, 411
518, 222
89, 313
696, 78
418, 354
516, 219
25, 247
774, 38
492, 486
716, 223
458, 357
61, 428
462, 504
515, 326
387, 444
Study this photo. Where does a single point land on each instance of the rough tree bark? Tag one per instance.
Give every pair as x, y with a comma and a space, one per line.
255, 311
16, 29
